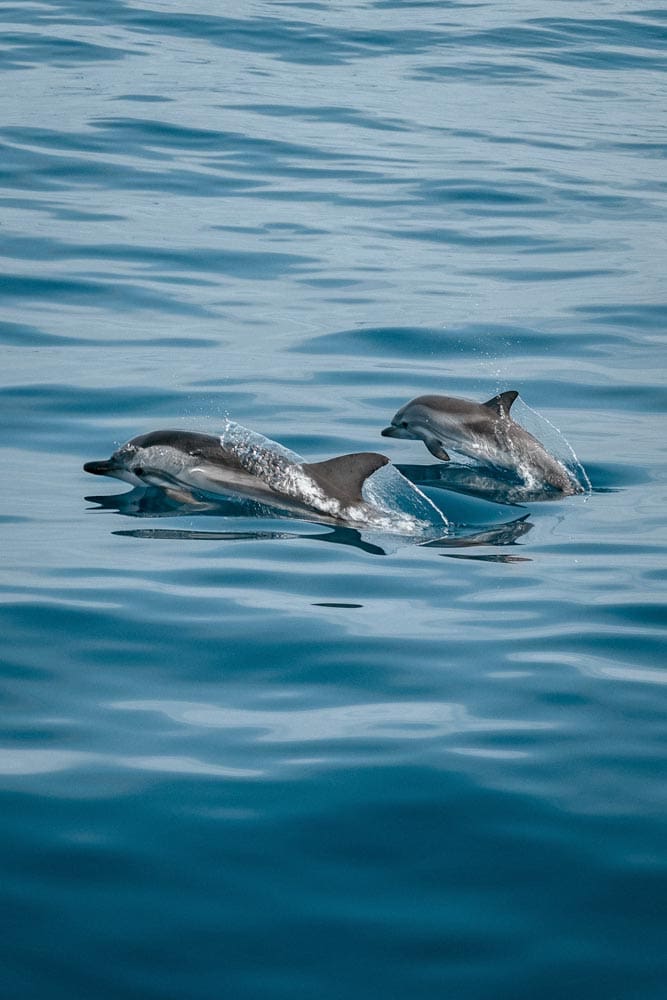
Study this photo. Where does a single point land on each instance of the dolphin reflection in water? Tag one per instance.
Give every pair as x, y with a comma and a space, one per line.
154, 502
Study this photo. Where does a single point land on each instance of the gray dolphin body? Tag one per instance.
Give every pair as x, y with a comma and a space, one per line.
484, 432
175, 459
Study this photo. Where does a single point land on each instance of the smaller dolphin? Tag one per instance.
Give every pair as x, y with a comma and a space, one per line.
484, 432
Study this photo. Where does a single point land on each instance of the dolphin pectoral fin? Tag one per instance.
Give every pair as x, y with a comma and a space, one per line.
344, 476
502, 402
437, 450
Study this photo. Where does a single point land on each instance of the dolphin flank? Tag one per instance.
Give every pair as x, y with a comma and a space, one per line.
484, 432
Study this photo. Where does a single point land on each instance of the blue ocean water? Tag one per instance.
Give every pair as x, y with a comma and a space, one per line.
236, 761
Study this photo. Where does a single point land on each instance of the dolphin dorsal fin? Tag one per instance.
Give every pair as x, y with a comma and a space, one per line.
502, 402
344, 476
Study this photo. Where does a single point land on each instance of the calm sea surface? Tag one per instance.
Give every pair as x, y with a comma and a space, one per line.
236, 761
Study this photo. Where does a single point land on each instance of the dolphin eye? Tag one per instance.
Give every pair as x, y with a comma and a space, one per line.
404, 423
138, 470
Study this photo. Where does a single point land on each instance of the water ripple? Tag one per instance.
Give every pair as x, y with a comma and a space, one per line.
393, 720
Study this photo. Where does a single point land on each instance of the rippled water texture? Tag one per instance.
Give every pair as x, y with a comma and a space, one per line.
237, 761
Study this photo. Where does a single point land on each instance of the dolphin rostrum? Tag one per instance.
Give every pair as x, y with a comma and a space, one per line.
484, 432
242, 463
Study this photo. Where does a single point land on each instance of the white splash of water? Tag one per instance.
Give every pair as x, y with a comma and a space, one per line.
553, 440
239, 439
277, 466
390, 492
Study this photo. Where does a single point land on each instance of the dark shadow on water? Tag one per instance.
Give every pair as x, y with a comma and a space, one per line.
334, 604
492, 557
339, 536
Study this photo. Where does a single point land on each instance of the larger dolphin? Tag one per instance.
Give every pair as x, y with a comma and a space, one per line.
484, 432
174, 458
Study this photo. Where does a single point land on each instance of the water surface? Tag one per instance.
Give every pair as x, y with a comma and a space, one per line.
237, 760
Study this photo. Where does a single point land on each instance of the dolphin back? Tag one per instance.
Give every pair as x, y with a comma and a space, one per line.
343, 477
201, 447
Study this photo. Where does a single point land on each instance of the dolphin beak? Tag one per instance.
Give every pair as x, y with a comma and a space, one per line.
106, 468
390, 432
